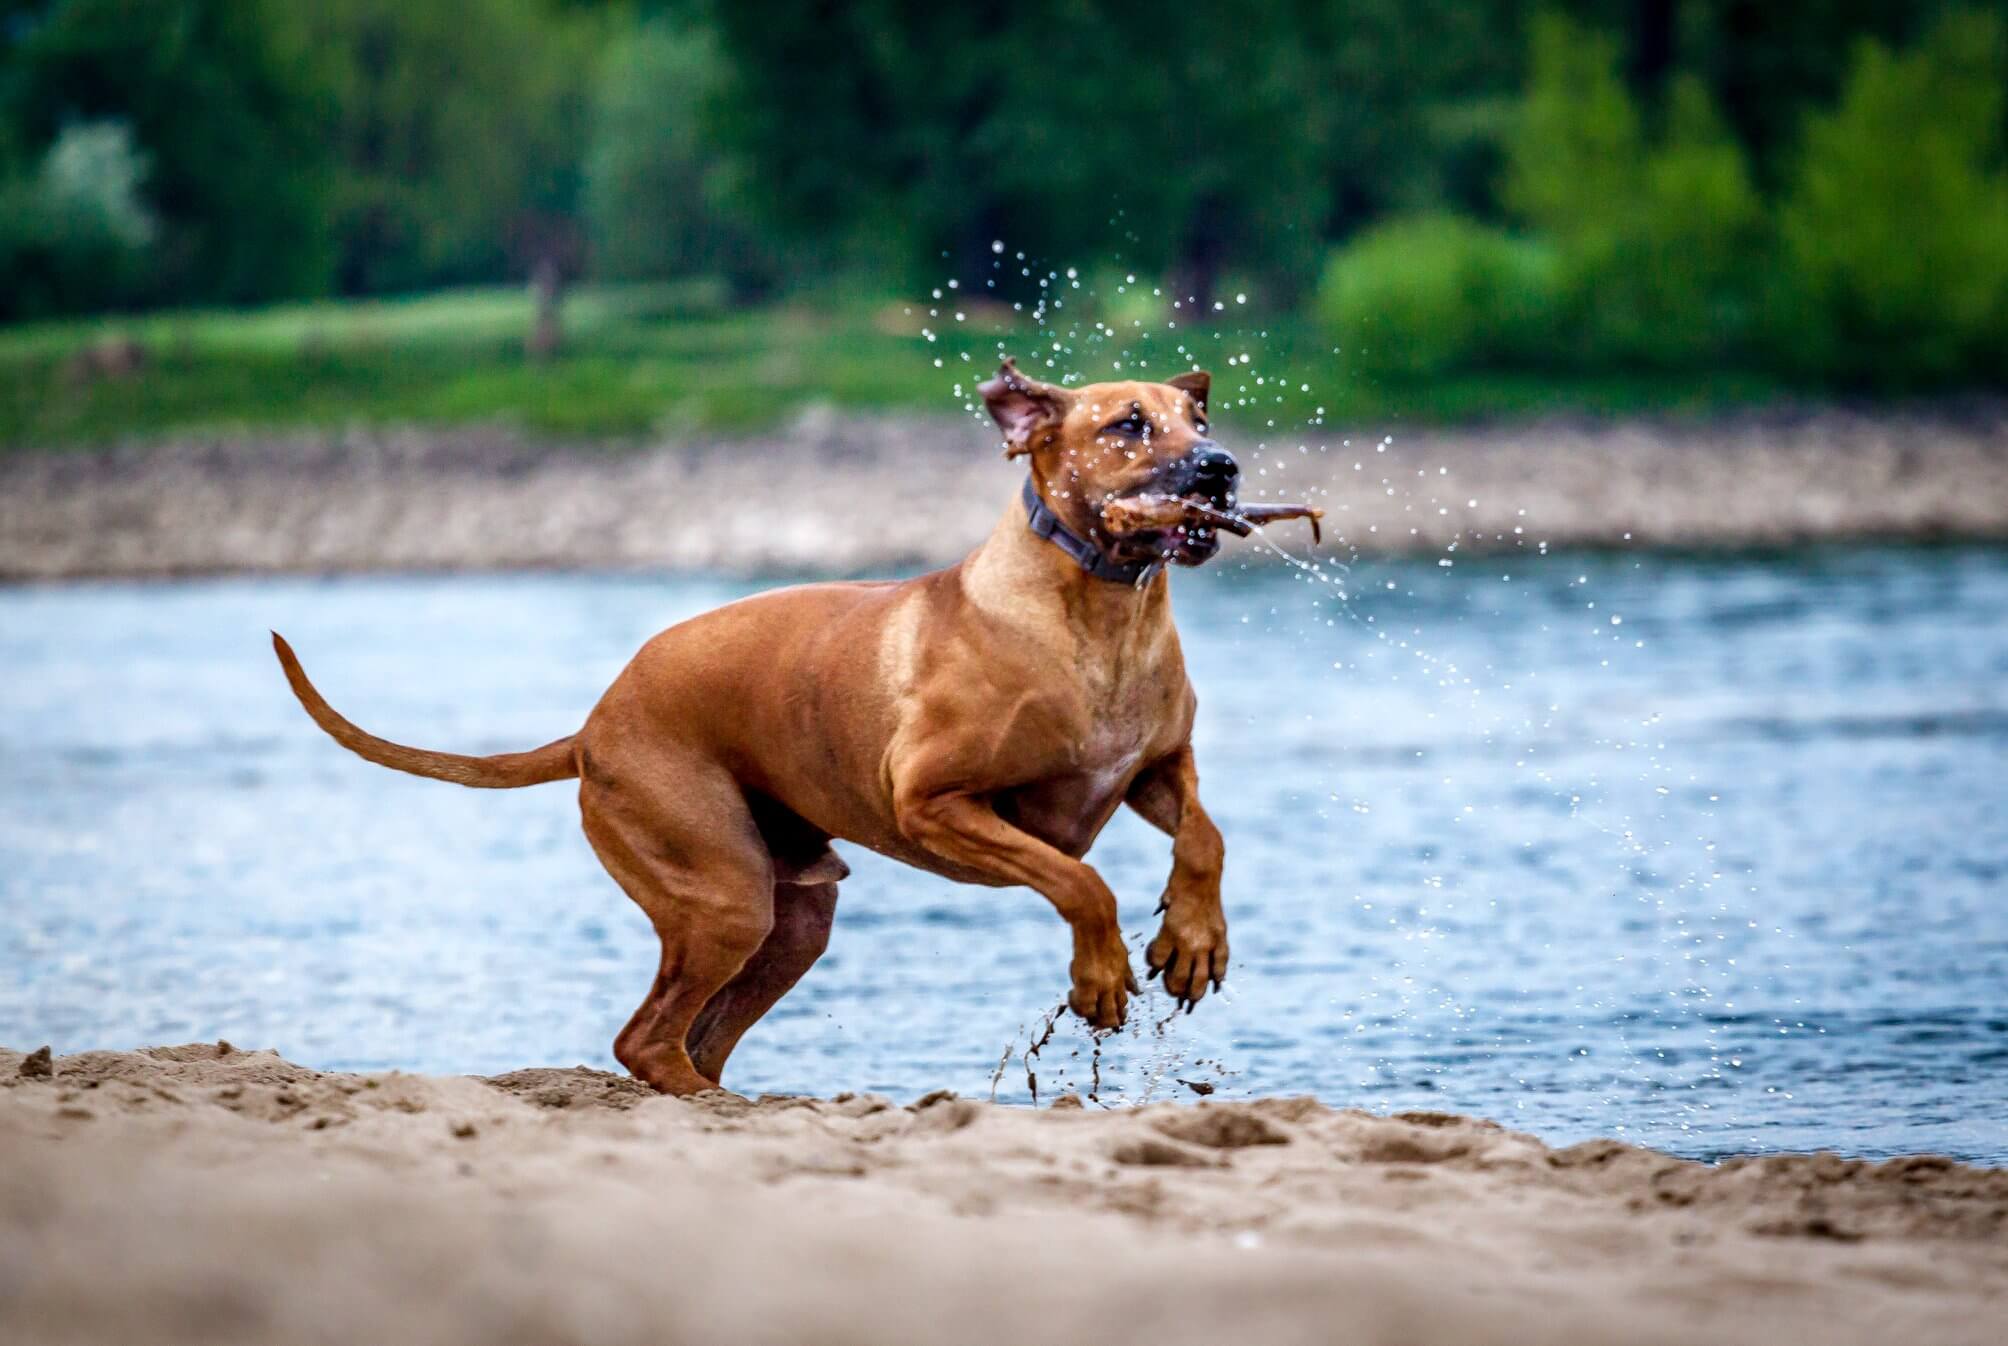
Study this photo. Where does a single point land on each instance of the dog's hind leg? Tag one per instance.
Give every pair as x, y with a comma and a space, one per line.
693, 861
802, 917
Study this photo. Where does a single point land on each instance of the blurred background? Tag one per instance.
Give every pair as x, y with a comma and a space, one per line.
1627, 764
1476, 207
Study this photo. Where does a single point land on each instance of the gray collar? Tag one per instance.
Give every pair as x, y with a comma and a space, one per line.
1046, 524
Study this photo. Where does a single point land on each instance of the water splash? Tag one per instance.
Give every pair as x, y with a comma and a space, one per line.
1114, 324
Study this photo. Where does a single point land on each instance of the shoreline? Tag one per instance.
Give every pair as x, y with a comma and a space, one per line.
204, 1193
835, 493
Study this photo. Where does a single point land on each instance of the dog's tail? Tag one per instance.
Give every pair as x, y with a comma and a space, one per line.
504, 771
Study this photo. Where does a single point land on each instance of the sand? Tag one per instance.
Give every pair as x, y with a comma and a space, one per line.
207, 1194
841, 493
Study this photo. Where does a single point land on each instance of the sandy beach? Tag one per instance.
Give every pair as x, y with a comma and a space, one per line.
209, 1194
834, 492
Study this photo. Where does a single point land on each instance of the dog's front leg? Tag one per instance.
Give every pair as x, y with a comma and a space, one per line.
965, 830
1191, 946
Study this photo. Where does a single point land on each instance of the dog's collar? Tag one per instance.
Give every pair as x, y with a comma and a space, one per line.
1041, 519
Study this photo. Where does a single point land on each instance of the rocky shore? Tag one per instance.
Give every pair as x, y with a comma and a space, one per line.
843, 494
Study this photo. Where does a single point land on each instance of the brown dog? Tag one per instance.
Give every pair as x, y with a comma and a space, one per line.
982, 722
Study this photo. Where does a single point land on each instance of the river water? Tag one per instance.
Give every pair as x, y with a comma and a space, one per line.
1705, 853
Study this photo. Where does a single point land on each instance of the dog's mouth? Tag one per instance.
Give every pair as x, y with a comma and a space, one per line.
1181, 529
1185, 529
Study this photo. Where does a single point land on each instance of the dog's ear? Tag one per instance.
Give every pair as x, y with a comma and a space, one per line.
1023, 408
1198, 382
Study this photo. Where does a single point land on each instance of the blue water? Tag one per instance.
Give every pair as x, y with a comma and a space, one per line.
1723, 875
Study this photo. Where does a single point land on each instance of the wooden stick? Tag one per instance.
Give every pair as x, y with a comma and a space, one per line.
1139, 512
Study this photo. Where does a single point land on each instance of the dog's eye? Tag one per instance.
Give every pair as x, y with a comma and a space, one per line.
1135, 426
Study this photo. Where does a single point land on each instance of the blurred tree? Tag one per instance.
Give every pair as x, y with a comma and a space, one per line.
1685, 272
226, 102
74, 235
1081, 132
1657, 236
457, 131
1896, 224
1182, 153
1426, 294
1577, 150
1417, 97
659, 195
864, 128
1067, 129
1769, 62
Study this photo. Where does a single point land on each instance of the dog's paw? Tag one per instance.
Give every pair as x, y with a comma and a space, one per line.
1190, 951
1103, 984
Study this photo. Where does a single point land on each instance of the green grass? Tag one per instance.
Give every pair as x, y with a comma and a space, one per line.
639, 360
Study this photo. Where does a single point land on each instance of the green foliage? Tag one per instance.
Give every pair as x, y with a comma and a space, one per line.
1657, 237
224, 99
1436, 292
866, 127
906, 138
74, 235
1124, 301
659, 196
1412, 102
1701, 186
1179, 157
455, 130
1695, 243
91, 178
1896, 225
1766, 64
1574, 159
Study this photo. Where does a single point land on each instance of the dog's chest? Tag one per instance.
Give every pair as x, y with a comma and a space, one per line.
1091, 773
1109, 708
1110, 759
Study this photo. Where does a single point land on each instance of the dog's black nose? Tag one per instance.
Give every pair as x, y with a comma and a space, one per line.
1214, 470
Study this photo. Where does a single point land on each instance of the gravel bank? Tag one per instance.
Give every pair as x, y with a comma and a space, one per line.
845, 494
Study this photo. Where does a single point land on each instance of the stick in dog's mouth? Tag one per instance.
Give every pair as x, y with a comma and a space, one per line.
1138, 513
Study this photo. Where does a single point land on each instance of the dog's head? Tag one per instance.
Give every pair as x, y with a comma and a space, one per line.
1111, 441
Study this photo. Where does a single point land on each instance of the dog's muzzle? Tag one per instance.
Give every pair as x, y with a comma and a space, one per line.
1208, 474
1209, 471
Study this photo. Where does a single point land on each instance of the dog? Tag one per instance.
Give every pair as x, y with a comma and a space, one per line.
983, 723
